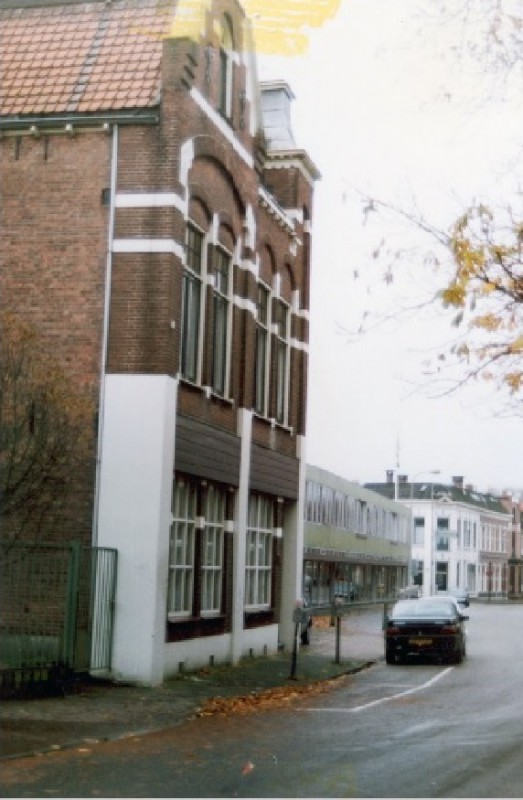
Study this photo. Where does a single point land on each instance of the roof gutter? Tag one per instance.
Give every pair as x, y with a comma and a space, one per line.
68, 123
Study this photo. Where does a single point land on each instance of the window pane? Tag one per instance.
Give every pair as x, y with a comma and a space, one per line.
261, 370
212, 551
221, 309
191, 304
259, 552
190, 327
181, 551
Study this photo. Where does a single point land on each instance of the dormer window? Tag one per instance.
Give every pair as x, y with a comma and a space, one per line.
226, 68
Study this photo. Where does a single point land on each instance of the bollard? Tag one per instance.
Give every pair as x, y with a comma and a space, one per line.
336, 615
294, 660
338, 638
299, 617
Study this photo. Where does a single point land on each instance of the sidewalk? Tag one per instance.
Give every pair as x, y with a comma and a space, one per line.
98, 711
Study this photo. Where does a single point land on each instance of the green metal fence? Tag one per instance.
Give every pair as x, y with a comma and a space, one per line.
56, 610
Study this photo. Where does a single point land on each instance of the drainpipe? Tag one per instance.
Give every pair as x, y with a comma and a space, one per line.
105, 334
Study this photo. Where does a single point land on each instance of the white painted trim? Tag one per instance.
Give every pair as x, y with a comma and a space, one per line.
245, 304
150, 200
149, 246
276, 210
304, 346
222, 126
249, 266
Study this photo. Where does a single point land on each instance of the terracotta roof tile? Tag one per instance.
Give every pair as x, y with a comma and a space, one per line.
83, 57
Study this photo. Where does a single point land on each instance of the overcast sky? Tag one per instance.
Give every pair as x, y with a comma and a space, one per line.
383, 107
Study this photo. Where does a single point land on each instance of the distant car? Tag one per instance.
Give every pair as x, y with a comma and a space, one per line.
429, 626
345, 591
408, 591
461, 595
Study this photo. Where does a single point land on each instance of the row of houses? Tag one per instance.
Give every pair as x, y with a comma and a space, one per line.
461, 538
366, 542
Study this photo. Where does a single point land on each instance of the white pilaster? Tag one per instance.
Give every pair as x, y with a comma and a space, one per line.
292, 564
240, 535
135, 515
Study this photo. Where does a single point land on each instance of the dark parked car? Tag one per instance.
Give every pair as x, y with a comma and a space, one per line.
461, 595
429, 626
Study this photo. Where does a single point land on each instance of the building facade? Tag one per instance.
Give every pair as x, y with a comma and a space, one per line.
460, 536
158, 218
515, 562
357, 543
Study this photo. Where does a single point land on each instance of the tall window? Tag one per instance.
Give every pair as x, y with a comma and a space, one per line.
262, 345
181, 551
281, 329
442, 533
221, 321
226, 69
259, 552
212, 551
419, 530
192, 304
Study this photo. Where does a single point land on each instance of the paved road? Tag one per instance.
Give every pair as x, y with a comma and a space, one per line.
418, 730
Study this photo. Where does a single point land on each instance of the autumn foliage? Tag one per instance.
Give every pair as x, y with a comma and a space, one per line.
487, 290
44, 426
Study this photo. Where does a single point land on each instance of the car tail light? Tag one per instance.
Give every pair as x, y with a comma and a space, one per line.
392, 630
450, 629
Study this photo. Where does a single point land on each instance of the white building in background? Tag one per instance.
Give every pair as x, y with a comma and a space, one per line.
460, 537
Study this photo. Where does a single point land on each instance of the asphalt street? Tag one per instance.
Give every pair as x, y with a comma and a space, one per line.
410, 730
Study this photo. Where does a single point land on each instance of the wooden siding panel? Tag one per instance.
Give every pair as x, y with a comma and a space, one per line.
207, 452
274, 473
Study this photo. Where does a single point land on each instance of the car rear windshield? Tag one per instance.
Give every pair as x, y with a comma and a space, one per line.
417, 608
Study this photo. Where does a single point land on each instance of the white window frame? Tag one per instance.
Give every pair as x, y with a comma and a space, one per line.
258, 560
180, 595
221, 297
198, 279
281, 370
263, 329
213, 552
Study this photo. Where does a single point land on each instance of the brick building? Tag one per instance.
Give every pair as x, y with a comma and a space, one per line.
156, 215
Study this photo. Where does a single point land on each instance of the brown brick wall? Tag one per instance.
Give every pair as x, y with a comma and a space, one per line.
53, 262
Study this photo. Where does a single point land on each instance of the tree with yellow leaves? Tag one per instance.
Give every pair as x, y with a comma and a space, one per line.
486, 288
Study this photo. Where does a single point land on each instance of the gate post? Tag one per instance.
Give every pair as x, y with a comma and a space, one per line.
71, 605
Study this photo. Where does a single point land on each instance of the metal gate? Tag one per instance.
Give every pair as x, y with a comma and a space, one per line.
56, 611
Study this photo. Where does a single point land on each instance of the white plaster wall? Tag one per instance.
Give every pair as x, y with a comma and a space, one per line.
292, 560
136, 472
193, 654
260, 641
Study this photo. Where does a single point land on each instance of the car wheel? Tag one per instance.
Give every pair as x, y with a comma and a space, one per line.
390, 658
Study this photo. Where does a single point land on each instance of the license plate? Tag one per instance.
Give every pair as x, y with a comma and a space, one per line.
420, 642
